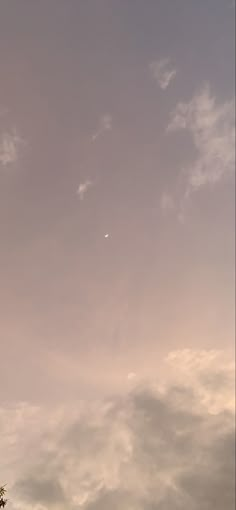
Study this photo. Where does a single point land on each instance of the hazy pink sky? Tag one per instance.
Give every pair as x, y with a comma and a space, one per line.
116, 194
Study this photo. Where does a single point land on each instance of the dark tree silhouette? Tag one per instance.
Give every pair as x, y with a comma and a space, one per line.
3, 501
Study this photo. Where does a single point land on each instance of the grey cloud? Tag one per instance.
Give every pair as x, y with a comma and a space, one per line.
214, 485
115, 499
47, 491
154, 449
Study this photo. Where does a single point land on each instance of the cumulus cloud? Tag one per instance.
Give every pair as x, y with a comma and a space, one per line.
10, 144
212, 128
160, 447
163, 72
83, 188
105, 124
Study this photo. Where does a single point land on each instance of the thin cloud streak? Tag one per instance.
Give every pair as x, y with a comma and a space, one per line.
105, 124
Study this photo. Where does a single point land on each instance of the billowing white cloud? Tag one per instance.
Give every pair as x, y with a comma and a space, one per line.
163, 72
10, 144
163, 446
83, 188
212, 128
105, 124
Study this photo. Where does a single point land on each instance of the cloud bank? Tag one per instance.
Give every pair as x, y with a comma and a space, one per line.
161, 447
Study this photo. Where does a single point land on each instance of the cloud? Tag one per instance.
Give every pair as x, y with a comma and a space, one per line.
105, 124
212, 129
210, 373
83, 188
163, 446
131, 376
10, 144
163, 72
166, 202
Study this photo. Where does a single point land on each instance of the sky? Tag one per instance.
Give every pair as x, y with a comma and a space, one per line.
117, 163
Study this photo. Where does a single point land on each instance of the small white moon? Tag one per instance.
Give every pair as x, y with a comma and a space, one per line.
106, 236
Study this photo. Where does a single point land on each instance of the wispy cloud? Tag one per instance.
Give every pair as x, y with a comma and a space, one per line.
105, 124
163, 71
166, 202
83, 188
212, 127
171, 447
10, 144
131, 376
